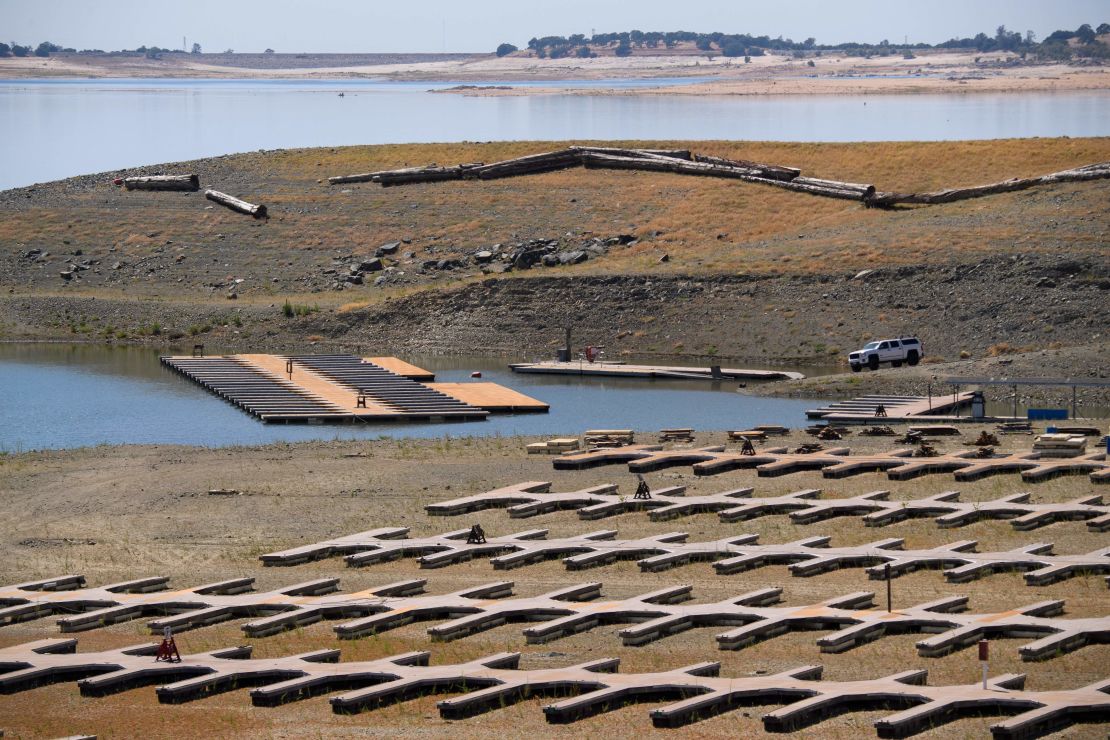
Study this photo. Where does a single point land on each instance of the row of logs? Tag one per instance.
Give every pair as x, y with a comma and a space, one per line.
682, 161
1099, 171
192, 183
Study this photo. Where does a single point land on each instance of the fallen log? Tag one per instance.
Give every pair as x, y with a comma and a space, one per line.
594, 160
420, 174
861, 189
770, 171
162, 182
827, 188
235, 204
531, 164
366, 176
672, 153
1098, 171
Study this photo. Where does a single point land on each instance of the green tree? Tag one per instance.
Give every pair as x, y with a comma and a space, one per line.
196, 48
1102, 28
1085, 33
733, 48
505, 50
623, 49
44, 49
5, 50
20, 51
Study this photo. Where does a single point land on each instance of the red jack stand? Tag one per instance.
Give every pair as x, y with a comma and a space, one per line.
167, 651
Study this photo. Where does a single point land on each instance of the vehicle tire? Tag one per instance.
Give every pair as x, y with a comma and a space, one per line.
857, 368
873, 362
913, 358
896, 363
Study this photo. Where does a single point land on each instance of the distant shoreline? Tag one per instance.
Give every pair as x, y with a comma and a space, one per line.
929, 72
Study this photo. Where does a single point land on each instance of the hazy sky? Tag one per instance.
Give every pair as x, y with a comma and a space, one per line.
479, 25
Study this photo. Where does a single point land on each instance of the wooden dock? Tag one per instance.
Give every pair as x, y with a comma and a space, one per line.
491, 397
897, 408
343, 388
621, 370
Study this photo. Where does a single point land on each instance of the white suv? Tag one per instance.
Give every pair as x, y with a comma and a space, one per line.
894, 351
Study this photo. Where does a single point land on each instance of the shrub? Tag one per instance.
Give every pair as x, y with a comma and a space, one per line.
505, 50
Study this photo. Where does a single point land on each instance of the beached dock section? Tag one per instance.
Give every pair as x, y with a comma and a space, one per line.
344, 388
621, 370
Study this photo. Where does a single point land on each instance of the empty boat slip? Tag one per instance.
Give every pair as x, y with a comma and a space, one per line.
330, 388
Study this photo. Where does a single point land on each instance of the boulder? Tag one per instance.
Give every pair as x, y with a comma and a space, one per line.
390, 248
372, 264
573, 258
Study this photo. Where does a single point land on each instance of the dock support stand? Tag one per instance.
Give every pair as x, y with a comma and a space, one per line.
167, 651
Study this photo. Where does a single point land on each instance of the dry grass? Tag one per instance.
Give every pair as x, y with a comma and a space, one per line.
146, 510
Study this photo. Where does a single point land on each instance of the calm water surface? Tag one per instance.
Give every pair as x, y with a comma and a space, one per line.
55, 129
61, 396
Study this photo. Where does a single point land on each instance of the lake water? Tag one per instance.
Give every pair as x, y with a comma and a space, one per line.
53, 129
60, 396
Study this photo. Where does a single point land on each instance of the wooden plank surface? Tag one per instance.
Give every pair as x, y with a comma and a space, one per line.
399, 366
317, 385
490, 396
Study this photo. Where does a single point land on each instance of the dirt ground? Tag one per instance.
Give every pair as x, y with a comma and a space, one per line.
114, 513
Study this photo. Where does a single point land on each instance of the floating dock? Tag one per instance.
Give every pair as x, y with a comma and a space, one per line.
897, 408
344, 388
621, 370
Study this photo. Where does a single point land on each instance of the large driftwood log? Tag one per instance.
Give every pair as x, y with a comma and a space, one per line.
419, 174
531, 164
827, 188
1099, 171
162, 182
235, 204
365, 176
770, 171
672, 153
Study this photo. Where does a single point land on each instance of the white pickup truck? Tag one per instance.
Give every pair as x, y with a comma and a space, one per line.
894, 351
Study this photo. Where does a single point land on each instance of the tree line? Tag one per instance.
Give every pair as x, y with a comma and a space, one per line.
46, 48
1057, 45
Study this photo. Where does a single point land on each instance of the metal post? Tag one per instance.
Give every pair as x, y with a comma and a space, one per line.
289, 368
1073, 404
886, 570
930, 396
1015, 400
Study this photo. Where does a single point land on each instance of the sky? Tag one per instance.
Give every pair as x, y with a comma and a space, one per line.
376, 26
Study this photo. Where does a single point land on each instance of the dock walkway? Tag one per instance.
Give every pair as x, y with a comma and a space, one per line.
336, 388
621, 370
